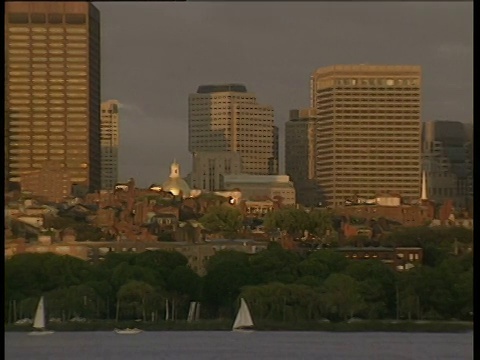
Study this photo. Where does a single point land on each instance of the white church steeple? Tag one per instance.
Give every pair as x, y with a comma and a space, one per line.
424, 196
174, 169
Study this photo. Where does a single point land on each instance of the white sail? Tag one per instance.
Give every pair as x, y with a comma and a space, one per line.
243, 319
39, 321
191, 311
167, 313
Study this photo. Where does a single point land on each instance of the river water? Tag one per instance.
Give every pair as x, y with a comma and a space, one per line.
223, 345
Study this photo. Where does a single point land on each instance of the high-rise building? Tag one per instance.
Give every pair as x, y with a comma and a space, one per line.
52, 87
368, 131
228, 118
446, 161
210, 167
109, 144
300, 154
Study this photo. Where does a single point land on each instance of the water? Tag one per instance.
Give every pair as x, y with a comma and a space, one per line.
223, 345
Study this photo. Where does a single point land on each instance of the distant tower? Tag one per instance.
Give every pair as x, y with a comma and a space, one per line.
424, 196
109, 143
175, 169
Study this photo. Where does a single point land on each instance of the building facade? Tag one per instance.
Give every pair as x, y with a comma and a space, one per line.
447, 161
51, 182
229, 118
300, 154
209, 168
262, 186
109, 140
52, 87
368, 131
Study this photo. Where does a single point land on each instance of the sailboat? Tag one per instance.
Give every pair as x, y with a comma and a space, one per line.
243, 321
39, 321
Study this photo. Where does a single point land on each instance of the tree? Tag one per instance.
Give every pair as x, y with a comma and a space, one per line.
135, 294
320, 222
294, 221
341, 296
322, 263
275, 264
231, 256
377, 283
222, 219
222, 285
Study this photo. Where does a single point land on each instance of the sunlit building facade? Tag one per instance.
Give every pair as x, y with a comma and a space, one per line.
368, 131
109, 140
229, 118
52, 87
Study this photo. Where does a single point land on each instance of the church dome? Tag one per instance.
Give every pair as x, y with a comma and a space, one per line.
175, 184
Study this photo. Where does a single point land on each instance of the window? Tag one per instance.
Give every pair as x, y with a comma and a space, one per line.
36, 18
18, 18
55, 18
75, 19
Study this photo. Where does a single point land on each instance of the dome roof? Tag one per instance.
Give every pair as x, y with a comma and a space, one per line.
175, 184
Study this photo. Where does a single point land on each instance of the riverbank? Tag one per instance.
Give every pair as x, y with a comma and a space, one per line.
224, 325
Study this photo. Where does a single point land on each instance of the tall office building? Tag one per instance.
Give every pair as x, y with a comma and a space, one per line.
210, 167
109, 135
368, 131
447, 161
300, 154
228, 118
52, 87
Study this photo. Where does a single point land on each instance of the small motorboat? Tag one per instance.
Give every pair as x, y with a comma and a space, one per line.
128, 331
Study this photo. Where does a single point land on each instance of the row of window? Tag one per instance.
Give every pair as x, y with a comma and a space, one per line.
44, 151
51, 18
51, 36
49, 29
50, 66
42, 59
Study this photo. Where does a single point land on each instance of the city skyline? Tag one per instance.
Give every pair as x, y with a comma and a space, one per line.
210, 45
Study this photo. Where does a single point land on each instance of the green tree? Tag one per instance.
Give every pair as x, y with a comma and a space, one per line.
134, 295
377, 284
222, 286
222, 219
322, 263
275, 264
341, 296
294, 221
231, 256
320, 222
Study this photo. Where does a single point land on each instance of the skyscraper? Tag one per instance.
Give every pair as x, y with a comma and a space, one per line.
52, 86
446, 161
368, 131
109, 144
228, 118
300, 154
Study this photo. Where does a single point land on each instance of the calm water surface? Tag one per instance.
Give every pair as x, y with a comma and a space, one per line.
232, 346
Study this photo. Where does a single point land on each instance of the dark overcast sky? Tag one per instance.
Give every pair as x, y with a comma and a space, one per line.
154, 54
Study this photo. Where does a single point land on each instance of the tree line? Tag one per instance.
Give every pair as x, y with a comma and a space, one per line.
278, 284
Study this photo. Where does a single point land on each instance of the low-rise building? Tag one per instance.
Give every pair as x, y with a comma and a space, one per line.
399, 258
260, 186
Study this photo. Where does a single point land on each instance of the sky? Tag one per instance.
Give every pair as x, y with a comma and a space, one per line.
154, 54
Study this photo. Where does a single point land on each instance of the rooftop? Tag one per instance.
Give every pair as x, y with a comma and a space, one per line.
207, 89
